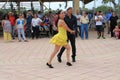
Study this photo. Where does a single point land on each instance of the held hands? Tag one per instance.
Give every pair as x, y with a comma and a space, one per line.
72, 32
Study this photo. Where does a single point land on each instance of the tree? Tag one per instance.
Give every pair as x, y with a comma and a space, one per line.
112, 1
103, 8
116, 6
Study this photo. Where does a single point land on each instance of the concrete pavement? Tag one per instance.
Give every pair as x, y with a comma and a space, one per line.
97, 59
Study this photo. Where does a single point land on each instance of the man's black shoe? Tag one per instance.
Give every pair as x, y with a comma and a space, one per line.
59, 59
73, 59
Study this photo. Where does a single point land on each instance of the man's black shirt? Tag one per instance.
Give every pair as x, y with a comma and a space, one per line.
71, 22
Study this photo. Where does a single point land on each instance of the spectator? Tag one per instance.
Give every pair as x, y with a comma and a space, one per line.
51, 18
99, 25
108, 15
78, 16
35, 26
46, 19
12, 21
84, 25
40, 15
6, 28
113, 22
116, 32
28, 24
103, 21
90, 16
20, 23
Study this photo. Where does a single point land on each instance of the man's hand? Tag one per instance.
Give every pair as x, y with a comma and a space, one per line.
72, 32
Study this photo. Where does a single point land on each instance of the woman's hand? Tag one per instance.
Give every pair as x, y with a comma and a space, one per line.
72, 32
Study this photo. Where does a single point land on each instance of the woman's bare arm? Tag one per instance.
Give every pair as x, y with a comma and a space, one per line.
24, 22
63, 24
2, 23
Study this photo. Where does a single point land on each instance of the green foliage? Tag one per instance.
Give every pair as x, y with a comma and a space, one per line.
103, 8
112, 1
4, 11
106, 1
117, 10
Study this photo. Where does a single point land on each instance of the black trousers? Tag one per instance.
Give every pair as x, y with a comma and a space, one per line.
76, 31
71, 38
111, 30
35, 32
51, 30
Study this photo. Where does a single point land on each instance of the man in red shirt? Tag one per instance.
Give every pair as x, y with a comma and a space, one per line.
12, 21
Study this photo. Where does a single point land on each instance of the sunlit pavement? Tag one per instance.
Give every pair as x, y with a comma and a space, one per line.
97, 59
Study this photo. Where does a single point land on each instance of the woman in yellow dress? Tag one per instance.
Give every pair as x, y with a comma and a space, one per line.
60, 39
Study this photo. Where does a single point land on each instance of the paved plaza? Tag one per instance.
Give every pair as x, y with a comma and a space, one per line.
97, 59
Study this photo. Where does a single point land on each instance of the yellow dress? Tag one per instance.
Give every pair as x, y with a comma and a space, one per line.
60, 38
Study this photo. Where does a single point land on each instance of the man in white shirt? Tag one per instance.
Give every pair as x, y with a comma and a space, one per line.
78, 16
99, 25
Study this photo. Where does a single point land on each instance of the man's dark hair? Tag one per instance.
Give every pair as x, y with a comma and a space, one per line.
69, 8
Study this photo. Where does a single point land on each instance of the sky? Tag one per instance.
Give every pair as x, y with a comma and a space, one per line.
55, 5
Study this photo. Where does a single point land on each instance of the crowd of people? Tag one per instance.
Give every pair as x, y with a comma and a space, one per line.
30, 24
25, 25
63, 26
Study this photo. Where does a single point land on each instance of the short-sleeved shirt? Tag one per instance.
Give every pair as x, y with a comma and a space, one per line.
99, 22
36, 22
78, 19
12, 20
84, 20
113, 21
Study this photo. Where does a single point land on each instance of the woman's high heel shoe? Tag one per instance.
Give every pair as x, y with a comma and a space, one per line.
69, 64
49, 65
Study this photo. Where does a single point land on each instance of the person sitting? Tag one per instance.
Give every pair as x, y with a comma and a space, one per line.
44, 26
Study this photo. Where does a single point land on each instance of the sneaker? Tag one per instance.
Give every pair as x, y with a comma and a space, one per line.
69, 64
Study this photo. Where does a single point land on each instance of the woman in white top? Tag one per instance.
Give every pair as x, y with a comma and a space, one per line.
35, 26
99, 25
